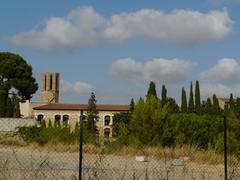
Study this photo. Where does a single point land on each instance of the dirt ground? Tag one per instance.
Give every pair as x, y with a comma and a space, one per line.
24, 163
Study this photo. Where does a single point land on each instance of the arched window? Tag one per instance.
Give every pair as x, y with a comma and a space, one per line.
107, 133
65, 119
57, 119
107, 120
40, 118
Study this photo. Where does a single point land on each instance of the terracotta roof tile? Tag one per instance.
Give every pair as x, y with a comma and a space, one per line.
100, 107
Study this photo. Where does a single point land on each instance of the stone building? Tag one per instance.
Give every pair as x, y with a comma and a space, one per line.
222, 102
50, 87
69, 114
49, 109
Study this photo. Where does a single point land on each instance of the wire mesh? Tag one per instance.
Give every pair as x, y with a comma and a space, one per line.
58, 158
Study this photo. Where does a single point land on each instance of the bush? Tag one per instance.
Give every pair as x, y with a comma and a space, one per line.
55, 134
33, 134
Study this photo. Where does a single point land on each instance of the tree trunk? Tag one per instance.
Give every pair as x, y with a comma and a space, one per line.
3, 102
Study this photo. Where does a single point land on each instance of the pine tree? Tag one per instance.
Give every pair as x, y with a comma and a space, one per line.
3, 101
151, 90
16, 112
15, 106
15, 72
197, 98
132, 104
191, 100
184, 101
92, 113
164, 95
215, 106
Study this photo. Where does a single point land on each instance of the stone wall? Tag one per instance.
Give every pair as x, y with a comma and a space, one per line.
9, 125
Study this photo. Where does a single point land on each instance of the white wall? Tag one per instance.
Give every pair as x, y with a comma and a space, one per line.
9, 125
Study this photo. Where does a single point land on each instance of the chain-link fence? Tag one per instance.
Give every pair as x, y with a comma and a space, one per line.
51, 151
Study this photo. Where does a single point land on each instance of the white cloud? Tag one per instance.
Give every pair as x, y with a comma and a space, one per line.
77, 87
222, 79
221, 90
226, 70
157, 70
84, 27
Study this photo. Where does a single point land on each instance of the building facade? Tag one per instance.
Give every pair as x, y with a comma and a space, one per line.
69, 114
49, 109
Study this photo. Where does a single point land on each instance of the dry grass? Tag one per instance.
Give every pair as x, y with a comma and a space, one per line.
59, 147
12, 141
190, 153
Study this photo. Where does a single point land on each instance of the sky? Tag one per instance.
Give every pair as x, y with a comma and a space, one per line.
115, 48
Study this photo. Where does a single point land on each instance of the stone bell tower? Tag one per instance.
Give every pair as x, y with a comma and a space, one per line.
50, 87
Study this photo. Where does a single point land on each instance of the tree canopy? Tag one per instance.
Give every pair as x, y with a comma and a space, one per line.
164, 94
191, 100
184, 101
92, 113
15, 74
151, 90
197, 98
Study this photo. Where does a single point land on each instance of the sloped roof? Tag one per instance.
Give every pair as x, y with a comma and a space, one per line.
100, 107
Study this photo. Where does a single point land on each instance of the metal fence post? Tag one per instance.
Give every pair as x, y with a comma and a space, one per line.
225, 148
81, 145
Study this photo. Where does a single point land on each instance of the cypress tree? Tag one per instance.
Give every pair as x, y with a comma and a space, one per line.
231, 103
172, 105
92, 113
197, 98
191, 100
164, 94
215, 106
151, 90
208, 107
184, 101
132, 104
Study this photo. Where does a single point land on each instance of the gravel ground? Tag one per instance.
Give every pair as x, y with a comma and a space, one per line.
23, 163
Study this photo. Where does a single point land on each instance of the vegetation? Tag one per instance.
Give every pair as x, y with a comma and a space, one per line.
151, 90
15, 76
184, 101
132, 104
164, 95
197, 98
92, 113
55, 134
154, 124
150, 123
191, 100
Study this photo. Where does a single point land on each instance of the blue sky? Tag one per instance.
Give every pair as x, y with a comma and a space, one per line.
115, 48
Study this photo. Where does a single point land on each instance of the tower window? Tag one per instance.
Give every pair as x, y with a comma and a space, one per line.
51, 81
45, 83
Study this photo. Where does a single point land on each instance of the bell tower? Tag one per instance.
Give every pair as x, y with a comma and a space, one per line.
50, 87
